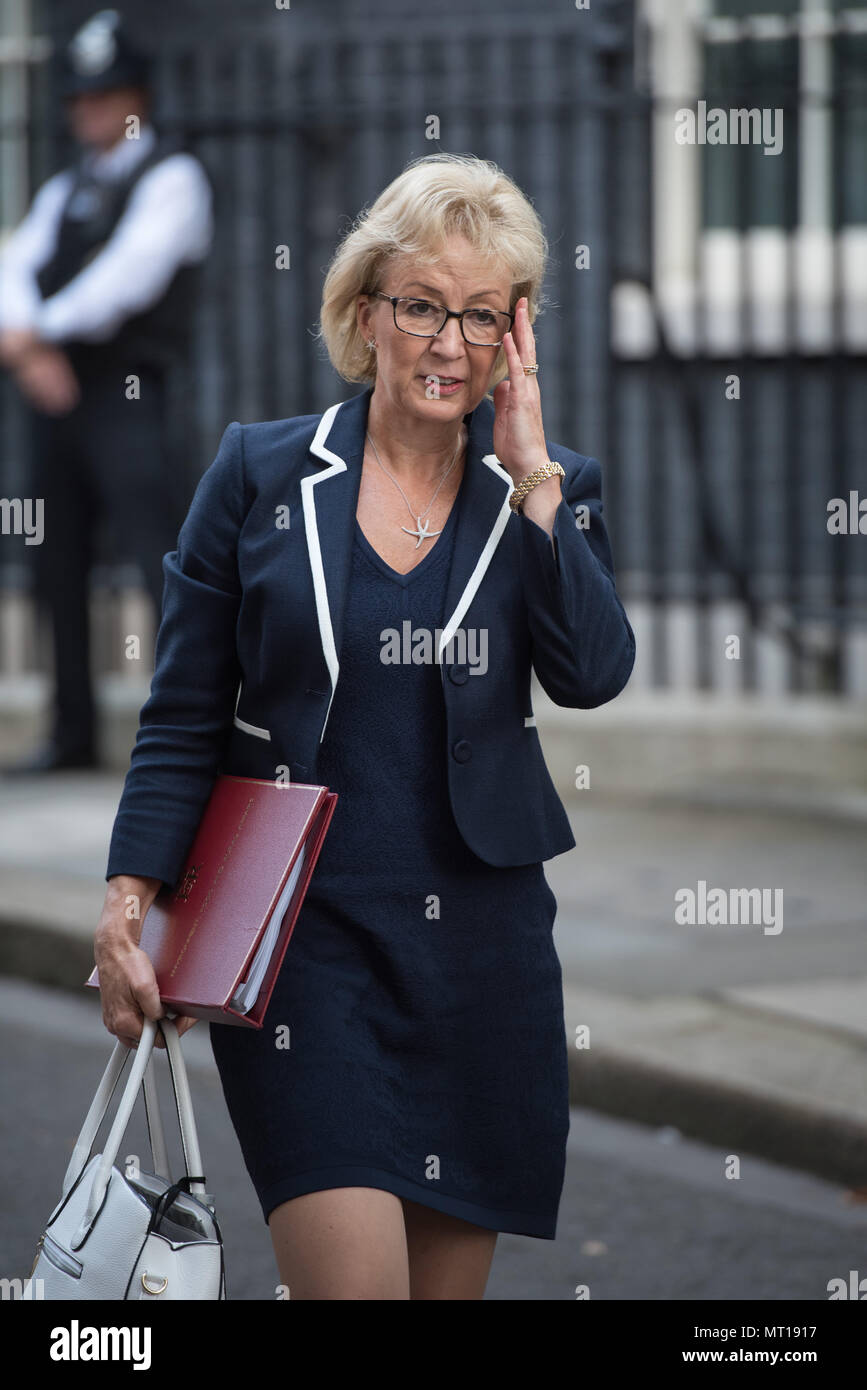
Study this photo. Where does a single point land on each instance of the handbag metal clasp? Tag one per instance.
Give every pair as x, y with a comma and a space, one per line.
147, 1288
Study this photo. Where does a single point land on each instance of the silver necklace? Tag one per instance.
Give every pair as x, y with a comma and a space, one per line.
421, 530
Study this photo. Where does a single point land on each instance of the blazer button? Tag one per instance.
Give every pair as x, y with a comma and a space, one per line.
462, 751
459, 674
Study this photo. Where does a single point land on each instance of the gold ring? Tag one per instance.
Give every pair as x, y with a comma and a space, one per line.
531, 371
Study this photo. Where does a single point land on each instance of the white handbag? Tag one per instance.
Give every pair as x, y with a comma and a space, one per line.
133, 1235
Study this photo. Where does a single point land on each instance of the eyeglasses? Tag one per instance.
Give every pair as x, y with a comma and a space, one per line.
421, 319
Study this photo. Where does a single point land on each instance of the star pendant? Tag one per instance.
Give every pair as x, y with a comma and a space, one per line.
422, 531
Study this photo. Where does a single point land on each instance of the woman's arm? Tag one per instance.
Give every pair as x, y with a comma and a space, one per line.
188, 715
583, 645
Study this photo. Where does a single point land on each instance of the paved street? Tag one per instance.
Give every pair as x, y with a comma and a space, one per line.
644, 1215
733, 1034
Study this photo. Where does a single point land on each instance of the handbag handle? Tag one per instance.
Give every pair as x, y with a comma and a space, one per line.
96, 1114
183, 1105
153, 1118
98, 1106
186, 1115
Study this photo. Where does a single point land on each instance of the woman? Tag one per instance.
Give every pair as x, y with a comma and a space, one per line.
438, 549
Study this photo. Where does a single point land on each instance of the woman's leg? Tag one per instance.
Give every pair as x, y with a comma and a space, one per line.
343, 1243
448, 1258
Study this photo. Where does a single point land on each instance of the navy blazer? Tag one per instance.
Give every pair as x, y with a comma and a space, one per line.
248, 650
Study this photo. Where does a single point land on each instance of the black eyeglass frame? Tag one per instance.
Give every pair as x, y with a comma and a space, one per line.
395, 299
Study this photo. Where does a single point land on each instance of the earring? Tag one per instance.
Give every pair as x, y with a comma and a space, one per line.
371, 342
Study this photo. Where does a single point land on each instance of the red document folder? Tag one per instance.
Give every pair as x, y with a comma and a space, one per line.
250, 863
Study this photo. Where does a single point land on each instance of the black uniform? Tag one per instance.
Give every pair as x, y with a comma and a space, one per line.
109, 461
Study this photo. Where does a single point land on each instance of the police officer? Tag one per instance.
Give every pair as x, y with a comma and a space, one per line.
95, 301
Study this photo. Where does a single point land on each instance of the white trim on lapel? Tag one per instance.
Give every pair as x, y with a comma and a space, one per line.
338, 465
484, 559
242, 723
323, 613
252, 729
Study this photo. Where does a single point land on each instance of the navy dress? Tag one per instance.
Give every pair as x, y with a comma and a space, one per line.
421, 989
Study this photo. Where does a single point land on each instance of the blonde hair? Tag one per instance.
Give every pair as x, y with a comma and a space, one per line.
436, 196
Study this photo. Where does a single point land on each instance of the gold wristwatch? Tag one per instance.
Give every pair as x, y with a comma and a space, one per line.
551, 469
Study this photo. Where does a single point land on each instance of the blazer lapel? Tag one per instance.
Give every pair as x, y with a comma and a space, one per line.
330, 502
482, 519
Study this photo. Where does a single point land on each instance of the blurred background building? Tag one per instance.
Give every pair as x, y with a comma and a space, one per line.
704, 263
